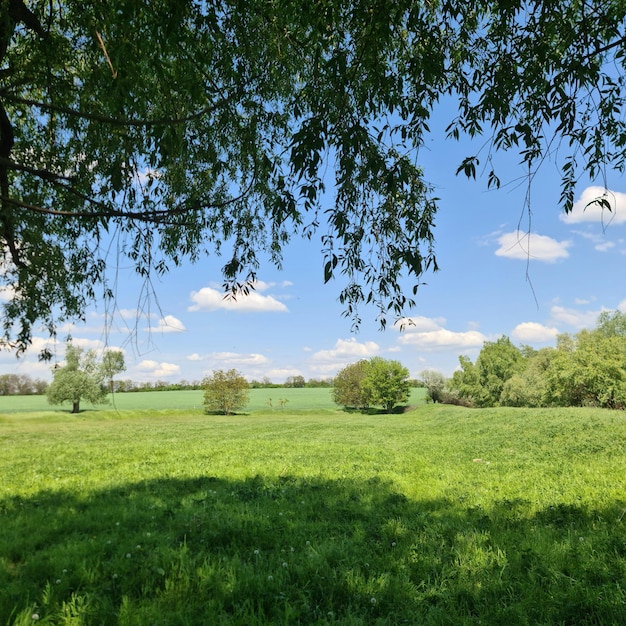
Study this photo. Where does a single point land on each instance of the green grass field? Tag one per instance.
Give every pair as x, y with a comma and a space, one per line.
441, 515
307, 399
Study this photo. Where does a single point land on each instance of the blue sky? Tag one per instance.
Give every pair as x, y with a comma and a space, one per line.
494, 279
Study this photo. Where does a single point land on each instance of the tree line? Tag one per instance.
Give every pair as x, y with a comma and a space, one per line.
584, 369
25, 385
21, 385
376, 382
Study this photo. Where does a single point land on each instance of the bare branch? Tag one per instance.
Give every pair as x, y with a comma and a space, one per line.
116, 121
606, 48
44, 174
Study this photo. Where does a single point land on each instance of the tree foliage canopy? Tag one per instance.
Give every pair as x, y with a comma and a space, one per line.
84, 377
225, 391
435, 383
387, 383
164, 131
588, 369
348, 387
376, 381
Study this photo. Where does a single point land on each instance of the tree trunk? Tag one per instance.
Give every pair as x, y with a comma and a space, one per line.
75, 406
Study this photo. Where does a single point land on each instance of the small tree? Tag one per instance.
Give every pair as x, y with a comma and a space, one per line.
376, 381
348, 386
386, 383
83, 377
295, 381
434, 382
225, 391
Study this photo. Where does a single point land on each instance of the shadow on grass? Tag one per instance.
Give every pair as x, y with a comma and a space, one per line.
397, 410
293, 550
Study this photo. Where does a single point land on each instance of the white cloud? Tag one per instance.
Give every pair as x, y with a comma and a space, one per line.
443, 339
7, 292
154, 369
622, 306
86, 344
170, 324
419, 324
532, 332
606, 245
577, 319
252, 366
28, 362
129, 314
583, 211
428, 333
598, 239
235, 359
147, 175
347, 349
210, 299
329, 362
282, 373
521, 245
230, 359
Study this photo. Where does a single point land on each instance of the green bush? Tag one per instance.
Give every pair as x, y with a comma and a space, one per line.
225, 392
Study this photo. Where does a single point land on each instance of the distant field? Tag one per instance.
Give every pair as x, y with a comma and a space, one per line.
438, 516
297, 399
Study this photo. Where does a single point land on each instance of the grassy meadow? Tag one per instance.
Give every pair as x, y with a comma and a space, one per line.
440, 515
286, 399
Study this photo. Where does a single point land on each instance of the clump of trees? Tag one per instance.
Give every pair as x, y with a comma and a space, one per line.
294, 382
21, 385
225, 392
586, 369
84, 377
373, 382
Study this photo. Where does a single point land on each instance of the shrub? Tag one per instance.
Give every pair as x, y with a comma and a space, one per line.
348, 386
225, 392
374, 382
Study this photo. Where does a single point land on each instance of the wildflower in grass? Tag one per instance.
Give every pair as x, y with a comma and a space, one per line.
393, 544
128, 555
270, 578
284, 564
58, 581
372, 600
257, 552
34, 616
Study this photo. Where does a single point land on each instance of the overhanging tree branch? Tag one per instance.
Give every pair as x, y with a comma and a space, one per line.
116, 121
